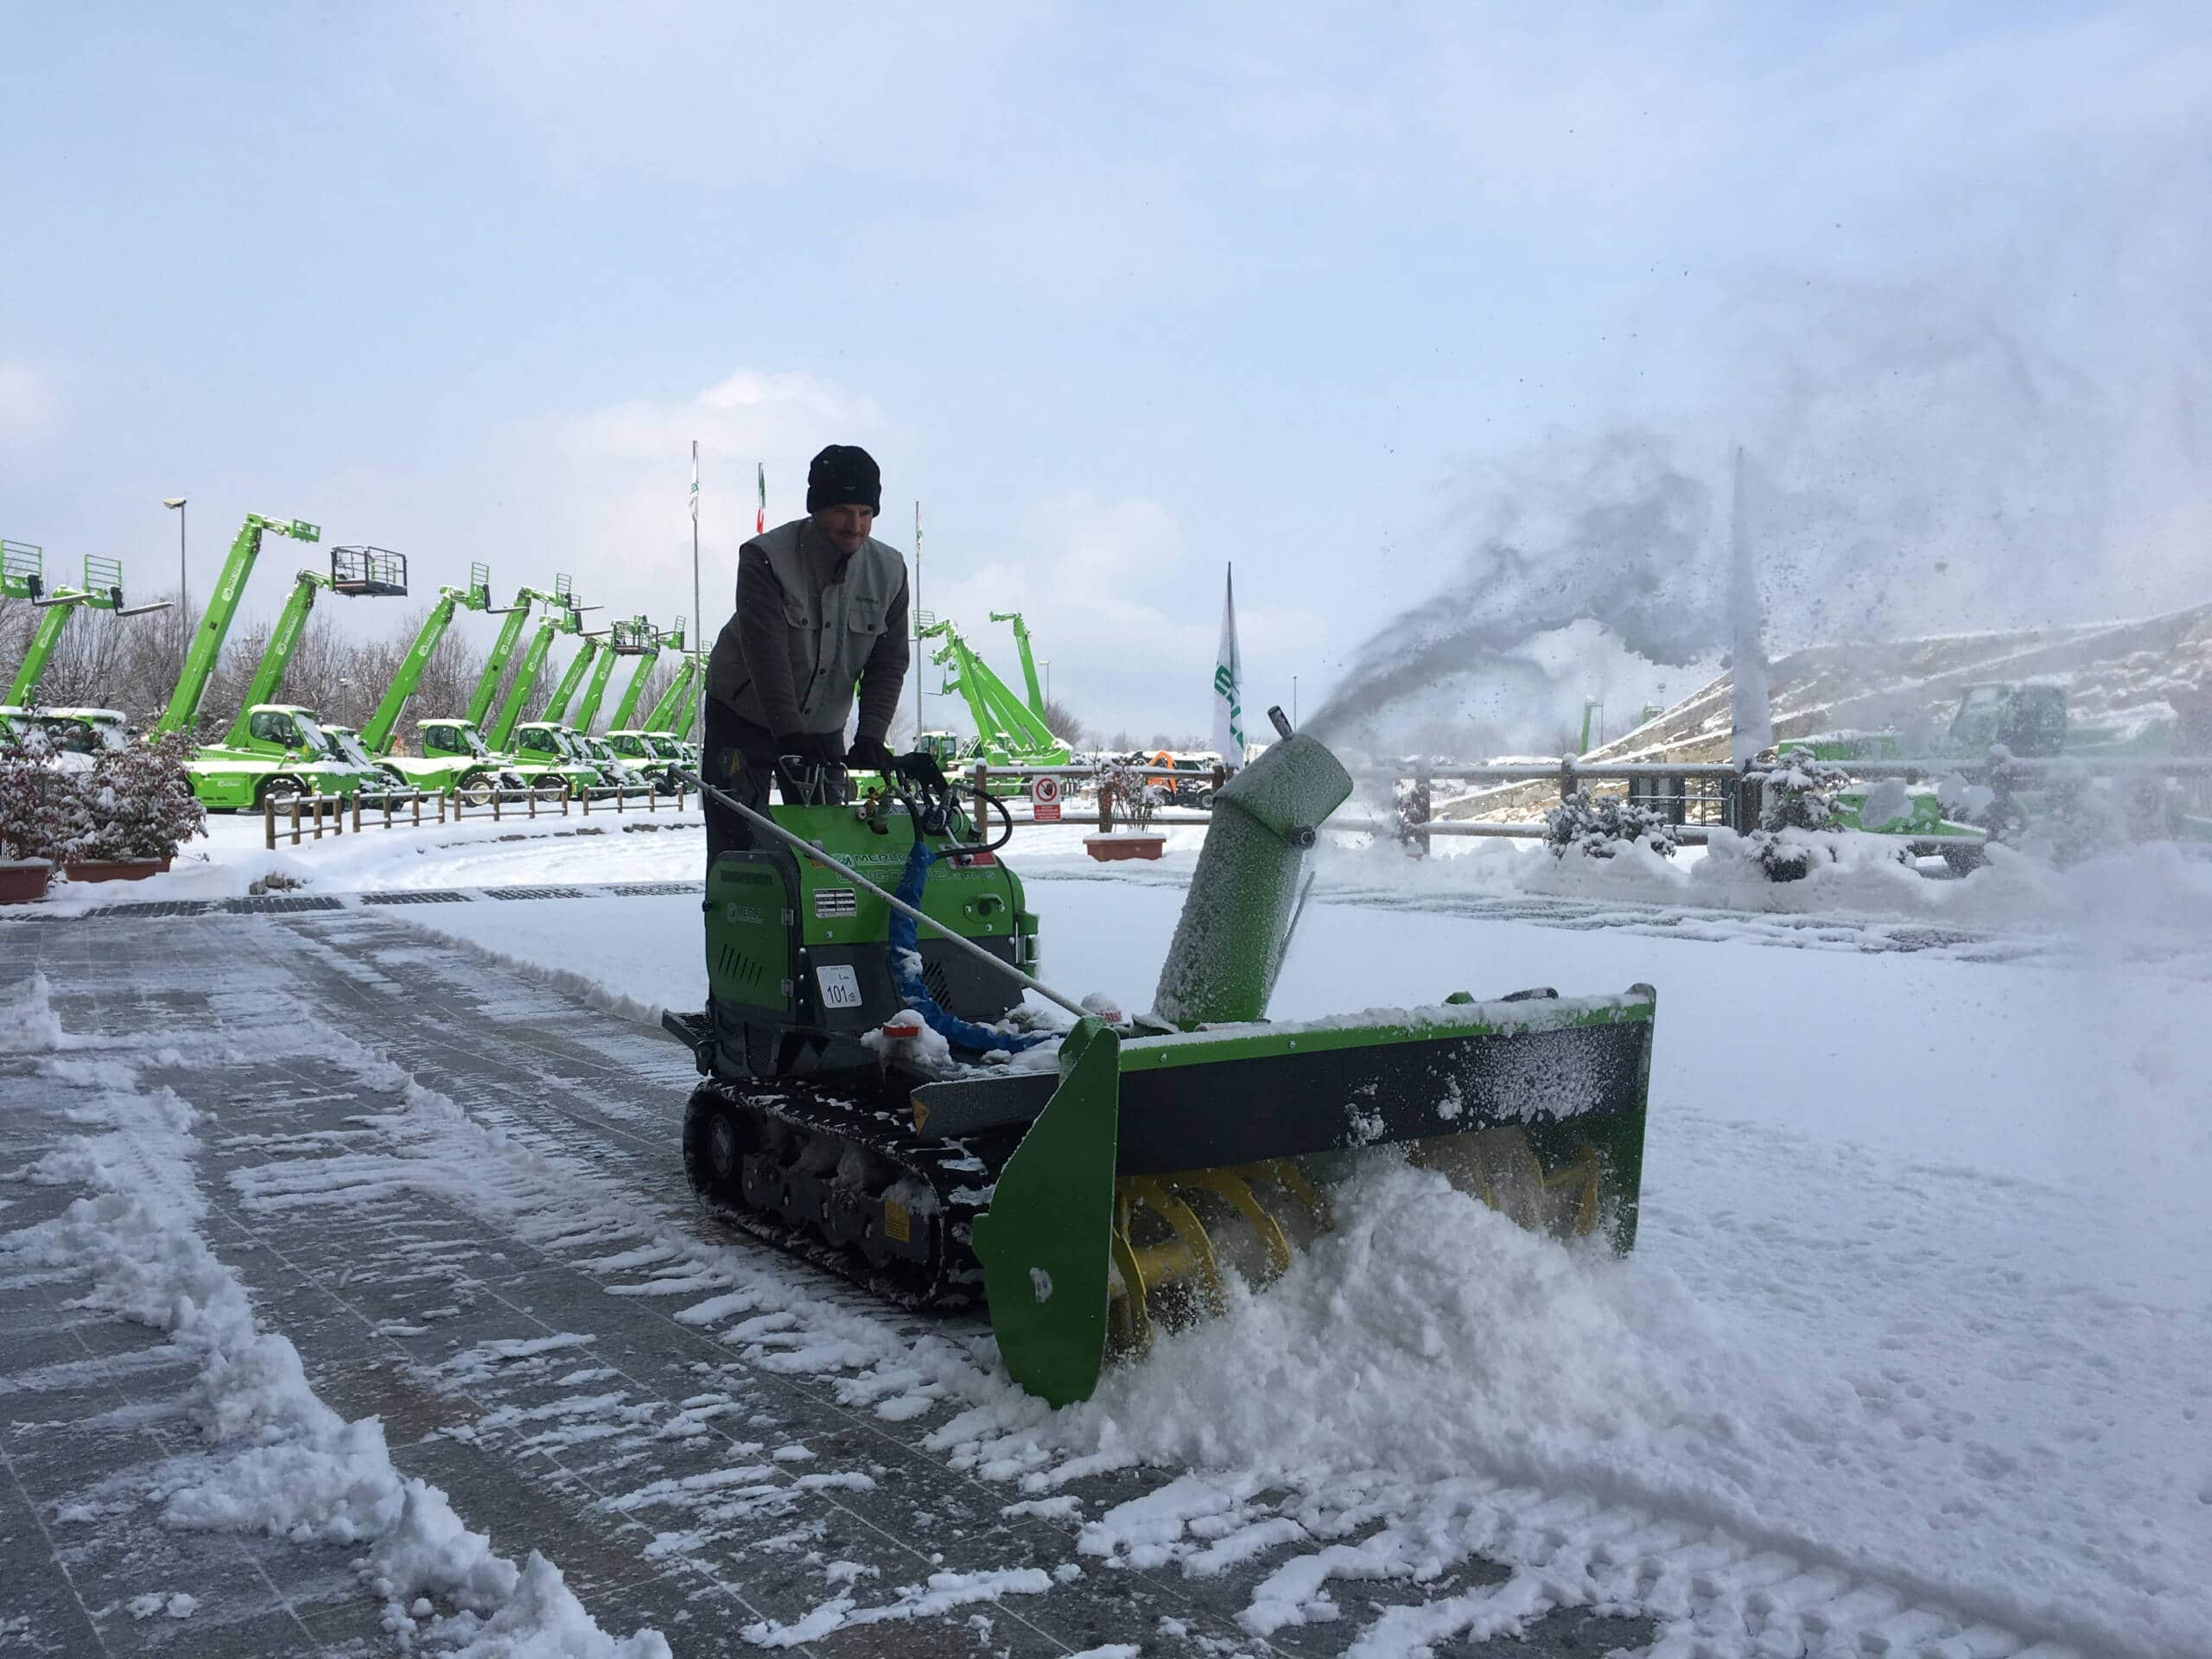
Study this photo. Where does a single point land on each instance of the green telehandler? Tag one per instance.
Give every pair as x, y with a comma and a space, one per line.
263, 753
22, 575
651, 759
1008, 733
63, 733
282, 755
2028, 721
873, 1096
537, 751
1036, 695
466, 768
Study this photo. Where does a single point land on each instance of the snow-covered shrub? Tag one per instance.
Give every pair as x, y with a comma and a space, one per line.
142, 804
1600, 825
45, 809
1126, 785
1796, 810
1411, 802
2068, 816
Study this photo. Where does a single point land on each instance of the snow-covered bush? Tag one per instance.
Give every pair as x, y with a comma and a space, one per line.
2068, 816
45, 810
142, 804
1126, 785
1796, 812
1600, 825
1411, 804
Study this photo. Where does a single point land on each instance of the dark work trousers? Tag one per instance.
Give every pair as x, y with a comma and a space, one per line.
739, 757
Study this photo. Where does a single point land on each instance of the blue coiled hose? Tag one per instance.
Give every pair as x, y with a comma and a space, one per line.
907, 974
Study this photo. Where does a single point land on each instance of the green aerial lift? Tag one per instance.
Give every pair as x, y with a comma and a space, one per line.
453, 745
1028, 660
1008, 733
648, 642
276, 733
538, 752
503, 648
470, 770
289, 754
663, 718
557, 709
644, 748
687, 714
548, 736
620, 642
22, 576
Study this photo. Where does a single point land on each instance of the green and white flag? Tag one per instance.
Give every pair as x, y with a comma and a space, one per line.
695, 480
1229, 684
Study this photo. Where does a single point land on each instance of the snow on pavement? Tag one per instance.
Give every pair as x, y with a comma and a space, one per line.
275, 1458
1914, 1350
1921, 1292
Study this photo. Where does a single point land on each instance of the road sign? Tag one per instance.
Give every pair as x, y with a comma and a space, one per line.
1045, 800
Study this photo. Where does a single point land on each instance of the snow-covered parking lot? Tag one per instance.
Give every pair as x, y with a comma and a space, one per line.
1915, 1354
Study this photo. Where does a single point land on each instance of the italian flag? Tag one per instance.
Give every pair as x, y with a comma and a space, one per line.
761, 512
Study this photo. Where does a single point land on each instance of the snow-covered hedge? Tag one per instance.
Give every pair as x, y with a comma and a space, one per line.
1599, 825
142, 802
1796, 810
45, 810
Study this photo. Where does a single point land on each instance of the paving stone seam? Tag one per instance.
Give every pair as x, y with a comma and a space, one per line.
988, 1497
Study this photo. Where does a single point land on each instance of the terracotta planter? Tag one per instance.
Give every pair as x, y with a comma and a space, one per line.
1111, 849
114, 869
22, 881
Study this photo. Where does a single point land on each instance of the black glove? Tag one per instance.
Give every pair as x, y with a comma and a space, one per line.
920, 767
823, 748
868, 754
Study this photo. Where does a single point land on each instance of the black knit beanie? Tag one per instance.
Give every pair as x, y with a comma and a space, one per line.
844, 475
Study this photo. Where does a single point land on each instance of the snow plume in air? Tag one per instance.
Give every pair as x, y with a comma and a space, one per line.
1917, 461
1608, 529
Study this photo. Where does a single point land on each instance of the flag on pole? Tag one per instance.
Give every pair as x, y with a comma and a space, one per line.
761, 512
695, 481
1228, 683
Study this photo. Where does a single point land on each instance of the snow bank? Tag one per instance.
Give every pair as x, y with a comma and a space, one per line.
1429, 1367
2157, 886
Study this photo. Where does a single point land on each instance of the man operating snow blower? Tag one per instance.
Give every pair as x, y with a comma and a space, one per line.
821, 607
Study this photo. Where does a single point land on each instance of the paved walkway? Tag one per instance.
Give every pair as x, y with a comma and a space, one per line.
460, 1198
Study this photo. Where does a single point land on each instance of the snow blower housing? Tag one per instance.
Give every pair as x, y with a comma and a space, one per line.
885, 1103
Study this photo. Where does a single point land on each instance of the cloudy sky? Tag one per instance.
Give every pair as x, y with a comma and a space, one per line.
1122, 294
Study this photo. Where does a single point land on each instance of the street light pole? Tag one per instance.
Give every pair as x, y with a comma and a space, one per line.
175, 503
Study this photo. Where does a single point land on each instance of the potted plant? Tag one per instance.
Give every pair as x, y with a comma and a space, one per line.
1123, 788
143, 808
40, 811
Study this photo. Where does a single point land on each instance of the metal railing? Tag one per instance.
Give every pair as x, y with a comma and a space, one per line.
1697, 797
298, 817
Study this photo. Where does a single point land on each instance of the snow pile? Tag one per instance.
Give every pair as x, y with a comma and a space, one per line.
277, 1460
1429, 1365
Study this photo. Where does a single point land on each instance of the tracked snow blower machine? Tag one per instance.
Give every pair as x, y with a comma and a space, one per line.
890, 1089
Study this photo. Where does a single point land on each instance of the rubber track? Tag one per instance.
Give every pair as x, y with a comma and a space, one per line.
960, 1175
